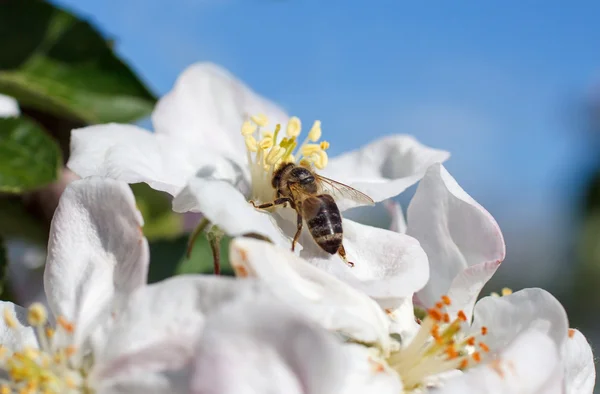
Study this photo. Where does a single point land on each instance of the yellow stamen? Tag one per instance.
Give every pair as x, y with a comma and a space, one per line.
9, 318
261, 120
37, 314
251, 144
506, 291
248, 128
293, 127
324, 145
315, 132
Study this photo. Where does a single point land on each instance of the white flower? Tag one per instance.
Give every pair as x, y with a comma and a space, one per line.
108, 331
443, 344
199, 155
8, 107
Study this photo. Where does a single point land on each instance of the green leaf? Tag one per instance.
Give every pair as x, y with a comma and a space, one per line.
53, 62
3, 265
159, 219
29, 158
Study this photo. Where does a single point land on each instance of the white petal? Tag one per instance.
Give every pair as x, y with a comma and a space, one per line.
132, 154
159, 325
578, 359
144, 382
368, 374
402, 320
457, 233
383, 168
96, 250
226, 207
264, 348
388, 266
507, 316
525, 367
20, 336
398, 221
8, 107
208, 105
314, 293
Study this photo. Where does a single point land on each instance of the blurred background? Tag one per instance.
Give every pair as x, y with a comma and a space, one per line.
512, 92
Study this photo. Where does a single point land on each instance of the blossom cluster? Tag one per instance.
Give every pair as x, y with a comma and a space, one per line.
405, 317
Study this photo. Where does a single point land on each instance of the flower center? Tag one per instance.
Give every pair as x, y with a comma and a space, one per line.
440, 345
50, 369
266, 151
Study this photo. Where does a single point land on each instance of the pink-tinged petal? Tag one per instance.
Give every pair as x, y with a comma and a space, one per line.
388, 266
384, 168
526, 366
207, 106
578, 360
96, 251
8, 107
312, 292
462, 240
131, 154
263, 347
225, 206
20, 336
506, 317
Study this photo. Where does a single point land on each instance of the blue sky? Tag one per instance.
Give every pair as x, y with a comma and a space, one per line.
498, 86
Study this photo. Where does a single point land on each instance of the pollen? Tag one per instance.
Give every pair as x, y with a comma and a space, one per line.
267, 150
51, 368
442, 344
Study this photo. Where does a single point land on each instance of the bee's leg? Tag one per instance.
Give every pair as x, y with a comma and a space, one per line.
298, 231
278, 201
342, 252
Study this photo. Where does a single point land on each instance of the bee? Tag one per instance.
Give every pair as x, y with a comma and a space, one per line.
311, 196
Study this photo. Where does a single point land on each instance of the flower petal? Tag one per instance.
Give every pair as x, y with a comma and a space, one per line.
226, 207
8, 107
96, 250
507, 316
21, 335
384, 168
132, 154
265, 348
160, 323
457, 233
207, 106
367, 374
580, 371
317, 295
388, 266
527, 366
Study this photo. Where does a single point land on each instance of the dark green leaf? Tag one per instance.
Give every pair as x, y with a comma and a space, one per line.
53, 62
29, 158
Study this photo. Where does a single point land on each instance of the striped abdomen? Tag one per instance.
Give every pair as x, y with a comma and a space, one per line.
324, 221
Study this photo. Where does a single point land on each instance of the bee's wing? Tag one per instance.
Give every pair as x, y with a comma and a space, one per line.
339, 190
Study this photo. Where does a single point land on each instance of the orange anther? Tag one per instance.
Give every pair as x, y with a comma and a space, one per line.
451, 352
476, 356
484, 347
464, 363
571, 333
484, 330
470, 341
446, 300
70, 350
439, 305
446, 318
49, 332
462, 316
435, 314
65, 324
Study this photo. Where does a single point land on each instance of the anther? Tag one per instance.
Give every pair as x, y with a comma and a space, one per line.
439, 305
446, 300
324, 145
37, 314
571, 333
293, 127
435, 314
248, 128
506, 291
484, 347
266, 143
251, 144
9, 318
462, 316
315, 132
260, 119
65, 324
446, 318
484, 330
274, 155
322, 161
464, 364
476, 356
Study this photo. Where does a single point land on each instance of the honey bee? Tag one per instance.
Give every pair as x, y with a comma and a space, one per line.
311, 196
